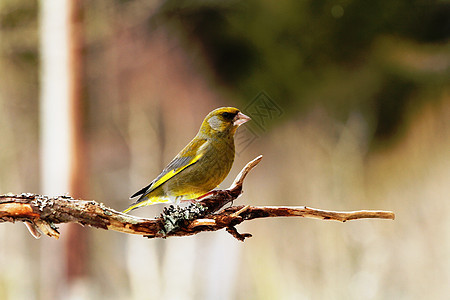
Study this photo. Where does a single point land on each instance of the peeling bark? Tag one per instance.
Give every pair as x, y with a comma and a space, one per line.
42, 213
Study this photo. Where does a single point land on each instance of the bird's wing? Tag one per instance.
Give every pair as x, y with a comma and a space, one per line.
187, 157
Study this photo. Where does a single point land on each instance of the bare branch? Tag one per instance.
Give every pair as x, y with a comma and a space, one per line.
42, 213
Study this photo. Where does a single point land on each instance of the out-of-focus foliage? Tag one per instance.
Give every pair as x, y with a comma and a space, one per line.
337, 53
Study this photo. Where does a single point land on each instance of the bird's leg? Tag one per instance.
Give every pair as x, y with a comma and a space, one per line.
189, 201
206, 195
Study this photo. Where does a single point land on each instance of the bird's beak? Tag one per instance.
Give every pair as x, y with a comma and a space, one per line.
240, 119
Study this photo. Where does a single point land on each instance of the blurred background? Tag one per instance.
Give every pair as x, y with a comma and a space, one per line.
351, 109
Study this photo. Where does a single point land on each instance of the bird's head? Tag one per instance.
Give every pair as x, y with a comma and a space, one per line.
224, 120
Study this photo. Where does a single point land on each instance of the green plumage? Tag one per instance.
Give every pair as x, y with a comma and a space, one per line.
201, 166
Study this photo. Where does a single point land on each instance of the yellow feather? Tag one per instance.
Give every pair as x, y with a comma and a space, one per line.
150, 201
209, 157
173, 173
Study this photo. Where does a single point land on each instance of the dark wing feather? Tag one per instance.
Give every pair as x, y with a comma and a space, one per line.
176, 164
188, 156
142, 191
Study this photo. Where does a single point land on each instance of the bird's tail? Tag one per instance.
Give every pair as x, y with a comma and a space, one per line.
147, 202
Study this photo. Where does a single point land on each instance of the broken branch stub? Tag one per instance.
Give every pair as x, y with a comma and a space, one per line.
42, 213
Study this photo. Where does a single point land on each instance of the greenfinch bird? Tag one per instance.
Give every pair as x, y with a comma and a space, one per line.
201, 166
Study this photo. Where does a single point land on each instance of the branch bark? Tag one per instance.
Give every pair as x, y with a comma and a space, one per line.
42, 213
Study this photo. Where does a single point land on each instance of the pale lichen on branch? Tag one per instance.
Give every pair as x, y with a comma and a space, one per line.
42, 213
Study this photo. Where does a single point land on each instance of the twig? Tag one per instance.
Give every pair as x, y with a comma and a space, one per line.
42, 213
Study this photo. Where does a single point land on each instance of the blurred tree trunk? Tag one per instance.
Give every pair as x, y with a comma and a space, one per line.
63, 167
76, 246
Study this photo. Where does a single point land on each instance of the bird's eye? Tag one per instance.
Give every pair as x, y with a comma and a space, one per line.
228, 116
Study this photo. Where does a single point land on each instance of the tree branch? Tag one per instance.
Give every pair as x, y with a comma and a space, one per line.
42, 213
